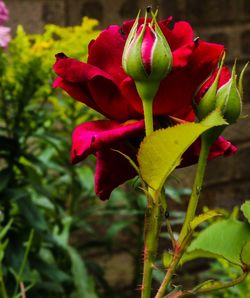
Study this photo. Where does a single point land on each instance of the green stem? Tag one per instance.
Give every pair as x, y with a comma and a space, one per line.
184, 237
178, 252
3, 289
153, 219
148, 116
24, 261
192, 206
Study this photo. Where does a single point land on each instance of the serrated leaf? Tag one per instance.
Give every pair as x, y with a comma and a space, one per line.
245, 208
245, 254
225, 239
160, 153
203, 217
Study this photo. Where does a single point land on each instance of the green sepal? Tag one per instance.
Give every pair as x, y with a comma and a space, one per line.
240, 85
207, 103
132, 60
162, 56
228, 99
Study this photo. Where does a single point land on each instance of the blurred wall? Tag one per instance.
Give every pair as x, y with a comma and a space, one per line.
222, 21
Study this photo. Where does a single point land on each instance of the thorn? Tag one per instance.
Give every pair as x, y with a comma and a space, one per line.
149, 8
196, 40
167, 214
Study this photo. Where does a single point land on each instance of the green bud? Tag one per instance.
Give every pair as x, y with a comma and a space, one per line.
147, 57
228, 98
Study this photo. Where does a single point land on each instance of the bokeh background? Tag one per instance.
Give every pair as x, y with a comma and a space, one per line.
105, 239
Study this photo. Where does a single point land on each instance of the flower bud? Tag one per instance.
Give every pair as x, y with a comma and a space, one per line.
147, 57
228, 98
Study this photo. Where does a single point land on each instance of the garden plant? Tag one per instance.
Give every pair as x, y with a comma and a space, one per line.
174, 88
151, 97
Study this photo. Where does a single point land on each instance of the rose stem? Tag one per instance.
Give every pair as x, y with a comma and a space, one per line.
152, 216
192, 206
148, 116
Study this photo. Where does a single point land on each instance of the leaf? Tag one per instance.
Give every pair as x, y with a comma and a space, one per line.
79, 272
160, 153
203, 217
115, 228
245, 254
32, 213
225, 239
5, 176
5, 229
245, 208
166, 259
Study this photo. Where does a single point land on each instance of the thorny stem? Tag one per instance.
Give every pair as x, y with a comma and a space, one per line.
153, 219
153, 216
184, 237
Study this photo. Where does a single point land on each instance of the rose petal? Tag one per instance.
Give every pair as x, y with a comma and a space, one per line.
181, 34
94, 136
106, 52
113, 169
221, 147
93, 87
224, 78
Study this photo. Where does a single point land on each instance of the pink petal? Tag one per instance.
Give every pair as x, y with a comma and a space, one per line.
147, 49
94, 136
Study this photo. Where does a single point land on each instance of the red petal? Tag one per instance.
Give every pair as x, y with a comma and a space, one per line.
106, 52
113, 169
92, 86
179, 36
182, 55
221, 147
224, 78
94, 136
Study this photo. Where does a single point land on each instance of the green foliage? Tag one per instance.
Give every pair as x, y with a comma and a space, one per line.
39, 189
224, 238
245, 208
160, 153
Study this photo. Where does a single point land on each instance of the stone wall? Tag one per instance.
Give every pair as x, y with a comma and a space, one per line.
222, 21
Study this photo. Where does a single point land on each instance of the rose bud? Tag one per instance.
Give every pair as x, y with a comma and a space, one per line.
229, 97
147, 57
223, 93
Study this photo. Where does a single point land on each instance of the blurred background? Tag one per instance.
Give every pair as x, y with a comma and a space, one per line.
57, 239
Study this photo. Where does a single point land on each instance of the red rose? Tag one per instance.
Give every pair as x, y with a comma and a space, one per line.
102, 84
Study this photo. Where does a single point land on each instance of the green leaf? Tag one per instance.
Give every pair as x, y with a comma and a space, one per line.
79, 272
116, 228
32, 214
160, 153
203, 217
224, 239
245, 254
5, 176
166, 259
245, 208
